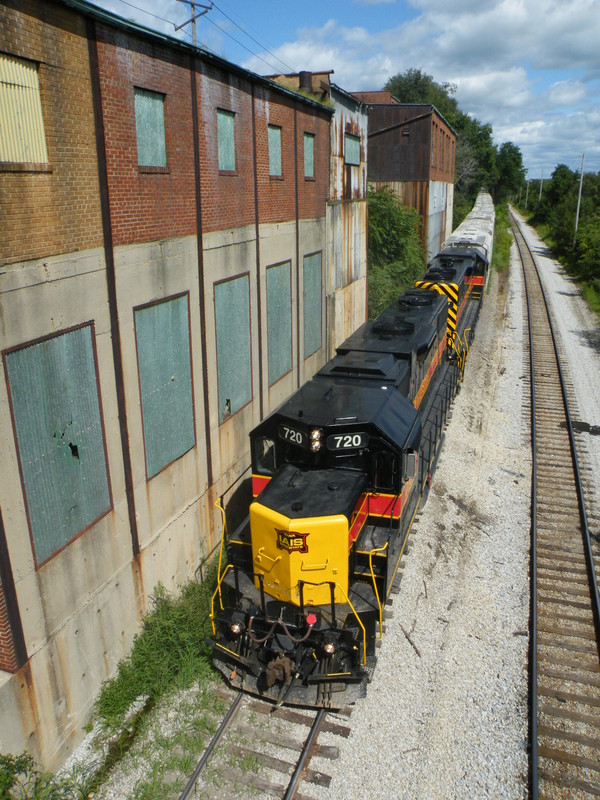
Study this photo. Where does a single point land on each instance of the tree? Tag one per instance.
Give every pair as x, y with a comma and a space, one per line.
511, 173
396, 255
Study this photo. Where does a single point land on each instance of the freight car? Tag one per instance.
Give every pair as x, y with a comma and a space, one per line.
338, 473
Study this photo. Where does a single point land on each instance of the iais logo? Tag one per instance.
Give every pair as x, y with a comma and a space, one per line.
291, 541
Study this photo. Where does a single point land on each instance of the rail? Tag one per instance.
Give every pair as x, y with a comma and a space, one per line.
552, 754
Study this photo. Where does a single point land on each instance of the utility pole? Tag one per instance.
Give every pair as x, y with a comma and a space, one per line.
541, 184
527, 195
579, 200
193, 5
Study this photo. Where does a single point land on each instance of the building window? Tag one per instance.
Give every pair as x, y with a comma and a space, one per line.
162, 334
22, 139
234, 354
226, 140
150, 128
352, 149
309, 155
313, 292
275, 151
60, 437
279, 319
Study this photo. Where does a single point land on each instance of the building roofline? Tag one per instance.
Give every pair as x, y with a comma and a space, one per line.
95, 12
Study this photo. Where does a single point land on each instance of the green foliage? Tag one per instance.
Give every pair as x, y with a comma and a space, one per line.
170, 652
396, 254
502, 239
554, 217
20, 779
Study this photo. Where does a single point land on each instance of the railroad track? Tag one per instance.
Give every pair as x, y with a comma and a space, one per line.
565, 619
260, 751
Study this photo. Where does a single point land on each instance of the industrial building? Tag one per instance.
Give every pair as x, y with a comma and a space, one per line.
174, 262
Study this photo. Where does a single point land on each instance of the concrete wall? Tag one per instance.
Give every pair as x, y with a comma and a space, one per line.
89, 239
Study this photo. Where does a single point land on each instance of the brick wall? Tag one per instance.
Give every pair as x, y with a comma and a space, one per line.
146, 206
57, 211
8, 660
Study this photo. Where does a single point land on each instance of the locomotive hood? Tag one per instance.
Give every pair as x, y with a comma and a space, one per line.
380, 410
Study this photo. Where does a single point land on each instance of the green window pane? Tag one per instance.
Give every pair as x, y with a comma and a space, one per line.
352, 145
309, 155
226, 139
150, 128
313, 293
162, 333
275, 151
279, 320
54, 396
234, 357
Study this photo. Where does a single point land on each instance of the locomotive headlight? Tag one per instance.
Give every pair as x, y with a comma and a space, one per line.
328, 648
315, 439
235, 628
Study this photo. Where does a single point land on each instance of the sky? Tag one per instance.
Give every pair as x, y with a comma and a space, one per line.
529, 68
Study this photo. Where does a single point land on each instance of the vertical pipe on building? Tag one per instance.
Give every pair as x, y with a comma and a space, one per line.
257, 236
297, 202
7, 585
200, 250
111, 278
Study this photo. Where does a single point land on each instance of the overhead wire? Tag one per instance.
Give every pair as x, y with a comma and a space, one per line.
223, 31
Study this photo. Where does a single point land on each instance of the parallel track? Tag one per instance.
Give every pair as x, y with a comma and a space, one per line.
565, 619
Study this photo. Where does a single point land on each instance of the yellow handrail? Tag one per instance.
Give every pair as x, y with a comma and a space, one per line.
220, 579
222, 510
371, 554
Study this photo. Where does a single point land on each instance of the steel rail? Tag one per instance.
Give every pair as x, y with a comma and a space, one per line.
586, 539
211, 746
305, 754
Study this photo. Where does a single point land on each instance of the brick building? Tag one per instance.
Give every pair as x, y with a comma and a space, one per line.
165, 275
412, 151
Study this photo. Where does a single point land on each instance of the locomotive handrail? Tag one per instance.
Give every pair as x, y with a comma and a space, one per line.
373, 552
219, 505
364, 631
262, 554
220, 580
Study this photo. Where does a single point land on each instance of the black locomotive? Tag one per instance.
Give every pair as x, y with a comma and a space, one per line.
338, 473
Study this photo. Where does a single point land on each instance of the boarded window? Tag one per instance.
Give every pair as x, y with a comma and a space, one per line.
275, 151
232, 321
22, 136
150, 128
226, 140
313, 293
162, 333
352, 149
309, 155
60, 438
279, 320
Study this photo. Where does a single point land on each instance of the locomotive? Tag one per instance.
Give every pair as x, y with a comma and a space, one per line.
339, 471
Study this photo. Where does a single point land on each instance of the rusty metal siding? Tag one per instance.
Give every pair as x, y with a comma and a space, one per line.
162, 333
60, 438
348, 181
23, 139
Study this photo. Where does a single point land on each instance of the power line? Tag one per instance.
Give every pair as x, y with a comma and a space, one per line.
245, 32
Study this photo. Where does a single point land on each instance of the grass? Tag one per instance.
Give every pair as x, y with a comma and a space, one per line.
168, 656
503, 239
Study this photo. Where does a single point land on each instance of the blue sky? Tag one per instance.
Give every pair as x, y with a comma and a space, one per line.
530, 68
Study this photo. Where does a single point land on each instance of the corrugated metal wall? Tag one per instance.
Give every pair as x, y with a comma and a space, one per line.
21, 122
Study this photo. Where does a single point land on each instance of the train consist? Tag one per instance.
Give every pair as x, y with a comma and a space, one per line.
338, 473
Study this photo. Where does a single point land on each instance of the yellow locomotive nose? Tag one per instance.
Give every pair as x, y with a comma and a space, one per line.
311, 550
300, 527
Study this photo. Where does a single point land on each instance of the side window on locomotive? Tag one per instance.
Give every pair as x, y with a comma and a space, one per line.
265, 453
386, 472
